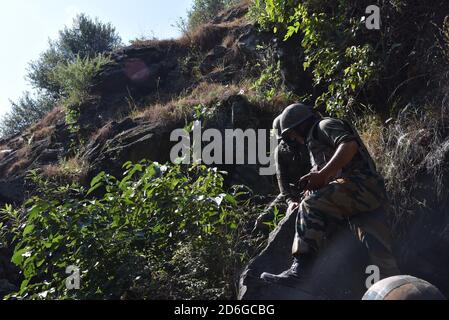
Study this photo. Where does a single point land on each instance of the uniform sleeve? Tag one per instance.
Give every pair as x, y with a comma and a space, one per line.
282, 175
334, 132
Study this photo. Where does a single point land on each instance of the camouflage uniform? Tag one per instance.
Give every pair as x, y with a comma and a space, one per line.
356, 195
292, 163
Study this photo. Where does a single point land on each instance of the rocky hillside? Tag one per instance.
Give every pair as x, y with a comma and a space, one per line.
153, 87
148, 90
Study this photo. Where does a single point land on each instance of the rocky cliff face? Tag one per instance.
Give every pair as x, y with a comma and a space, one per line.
154, 72
224, 52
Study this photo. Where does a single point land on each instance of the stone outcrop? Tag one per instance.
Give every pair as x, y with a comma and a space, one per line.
338, 273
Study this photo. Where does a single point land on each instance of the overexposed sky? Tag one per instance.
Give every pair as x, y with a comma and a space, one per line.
26, 26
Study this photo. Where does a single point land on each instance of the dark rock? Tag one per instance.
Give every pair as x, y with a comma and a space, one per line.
6, 288
12, 191
131, 141
291, 58
138, 71
232, 14
213, 59
250, 38
49, 156
338, 273
224, 76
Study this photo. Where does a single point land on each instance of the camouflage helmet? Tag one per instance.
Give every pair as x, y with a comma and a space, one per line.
403, 288
294, 115
277, 127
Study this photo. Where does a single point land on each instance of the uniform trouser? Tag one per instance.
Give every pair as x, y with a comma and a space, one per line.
362, 201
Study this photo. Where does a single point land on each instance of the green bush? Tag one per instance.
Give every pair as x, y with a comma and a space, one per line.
86, 38
162, 232
74, 79
328, 31
203, 11
78, 45
25, 112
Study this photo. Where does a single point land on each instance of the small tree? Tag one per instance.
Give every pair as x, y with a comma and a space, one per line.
205, 10
86, 39
26, 111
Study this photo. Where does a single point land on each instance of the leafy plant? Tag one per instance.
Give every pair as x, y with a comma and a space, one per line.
337, 61
139, 238
86, 38
75, 78
25, 112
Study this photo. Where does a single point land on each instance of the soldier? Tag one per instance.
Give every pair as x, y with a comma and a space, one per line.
344, 186
292, 162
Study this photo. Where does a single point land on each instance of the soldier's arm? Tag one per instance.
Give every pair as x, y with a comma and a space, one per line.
282, 176
342, 157
333, 132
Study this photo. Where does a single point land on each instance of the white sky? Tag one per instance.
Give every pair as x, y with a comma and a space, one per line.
26, 26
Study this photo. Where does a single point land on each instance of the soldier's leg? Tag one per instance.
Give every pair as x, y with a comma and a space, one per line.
310, 229
373, 231
316, 210
339, 200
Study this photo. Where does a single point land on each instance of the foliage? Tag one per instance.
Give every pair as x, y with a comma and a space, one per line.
160, 232
268, 83
86, 41
203, 11
25, 112
74, 79
86, 38
336, 60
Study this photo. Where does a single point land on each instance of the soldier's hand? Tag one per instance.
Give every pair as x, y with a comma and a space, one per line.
316, 180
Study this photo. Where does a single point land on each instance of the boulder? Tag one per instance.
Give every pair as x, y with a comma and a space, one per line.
129, 140
338, 273
6, 288
12, 190
138, 71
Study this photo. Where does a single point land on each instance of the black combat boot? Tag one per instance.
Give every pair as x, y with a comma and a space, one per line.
292, 276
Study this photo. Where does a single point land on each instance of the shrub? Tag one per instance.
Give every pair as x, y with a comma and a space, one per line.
337, 62
160, 232
86, 38
77, 45
25, 112
405, 150
74, 78
203, 11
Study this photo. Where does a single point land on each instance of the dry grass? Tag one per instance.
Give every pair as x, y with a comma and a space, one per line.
18, 166
209, 94
51, 119
413, 144
371, 131
156, 43
205, 37
47, 126
102, 133
24, 152
44, 133
71, 170
229, 41
205, 94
